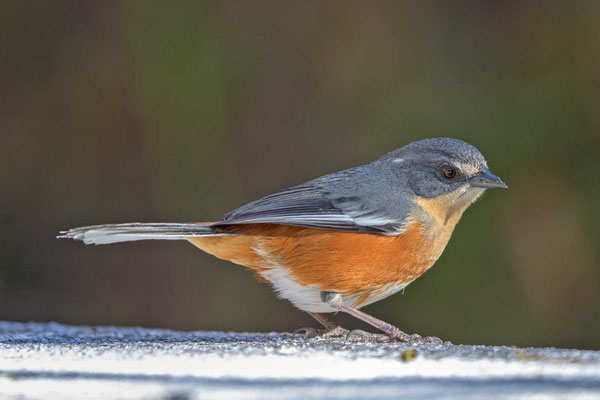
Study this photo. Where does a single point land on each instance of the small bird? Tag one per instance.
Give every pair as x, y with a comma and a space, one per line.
344, 240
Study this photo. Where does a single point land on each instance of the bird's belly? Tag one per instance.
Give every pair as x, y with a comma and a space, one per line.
304, 297
308, 297
363, 268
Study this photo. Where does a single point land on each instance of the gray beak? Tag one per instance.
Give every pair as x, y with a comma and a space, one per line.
487, 180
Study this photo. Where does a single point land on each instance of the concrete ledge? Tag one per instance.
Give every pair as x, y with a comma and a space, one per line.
49, 360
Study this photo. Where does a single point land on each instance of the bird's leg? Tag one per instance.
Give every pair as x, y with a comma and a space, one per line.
323, 320
335, 300
332, 329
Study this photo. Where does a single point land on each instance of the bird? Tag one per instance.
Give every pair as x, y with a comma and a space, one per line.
344, 240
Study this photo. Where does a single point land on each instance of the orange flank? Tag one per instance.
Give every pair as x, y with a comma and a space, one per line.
345, 262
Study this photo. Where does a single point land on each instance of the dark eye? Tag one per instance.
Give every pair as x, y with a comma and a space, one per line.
448, 172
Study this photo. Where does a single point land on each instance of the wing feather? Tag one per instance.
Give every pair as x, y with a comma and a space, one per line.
310, 205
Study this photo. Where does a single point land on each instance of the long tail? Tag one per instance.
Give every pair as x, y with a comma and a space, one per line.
114, 233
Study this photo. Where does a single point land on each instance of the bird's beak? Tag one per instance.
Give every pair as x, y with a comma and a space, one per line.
487, 180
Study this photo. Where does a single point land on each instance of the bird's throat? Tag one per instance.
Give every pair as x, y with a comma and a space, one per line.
446, 210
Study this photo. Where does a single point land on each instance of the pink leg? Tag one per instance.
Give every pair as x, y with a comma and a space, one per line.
335, 300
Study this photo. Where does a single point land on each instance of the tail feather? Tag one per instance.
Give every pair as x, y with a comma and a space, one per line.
114, 233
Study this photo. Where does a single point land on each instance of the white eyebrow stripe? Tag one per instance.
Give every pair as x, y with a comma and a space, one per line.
398, 160
468, 169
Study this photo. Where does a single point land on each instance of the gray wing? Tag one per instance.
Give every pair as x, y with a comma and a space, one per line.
346, 200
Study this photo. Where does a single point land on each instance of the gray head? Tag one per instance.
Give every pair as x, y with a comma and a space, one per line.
441, 166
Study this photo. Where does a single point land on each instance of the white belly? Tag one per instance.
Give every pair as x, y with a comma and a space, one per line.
308, 298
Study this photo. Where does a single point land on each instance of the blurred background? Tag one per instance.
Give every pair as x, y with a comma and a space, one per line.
181, 111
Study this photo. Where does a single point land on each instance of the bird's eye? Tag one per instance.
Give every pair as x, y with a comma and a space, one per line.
448, 172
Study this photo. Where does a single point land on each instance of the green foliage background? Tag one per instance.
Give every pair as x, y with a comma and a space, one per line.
180, 111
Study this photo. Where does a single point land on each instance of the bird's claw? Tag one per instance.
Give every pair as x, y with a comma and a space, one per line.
310, 333
382, 337
368, 336
338, 331
415, 338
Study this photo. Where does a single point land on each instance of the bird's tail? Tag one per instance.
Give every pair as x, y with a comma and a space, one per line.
114, 233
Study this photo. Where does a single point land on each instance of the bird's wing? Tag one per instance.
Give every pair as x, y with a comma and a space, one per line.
313, 206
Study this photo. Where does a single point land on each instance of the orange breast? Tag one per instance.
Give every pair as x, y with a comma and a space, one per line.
344, 262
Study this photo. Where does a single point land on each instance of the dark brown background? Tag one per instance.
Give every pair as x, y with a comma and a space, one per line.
181, 111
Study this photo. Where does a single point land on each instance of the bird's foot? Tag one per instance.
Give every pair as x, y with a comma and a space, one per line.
397, 336
310, 333
307, 332
415, 338
336, 332
368, 336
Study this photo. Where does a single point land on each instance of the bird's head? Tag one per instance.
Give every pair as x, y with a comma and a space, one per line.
446, 175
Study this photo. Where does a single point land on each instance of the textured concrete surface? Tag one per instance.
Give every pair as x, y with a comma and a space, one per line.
49, 360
